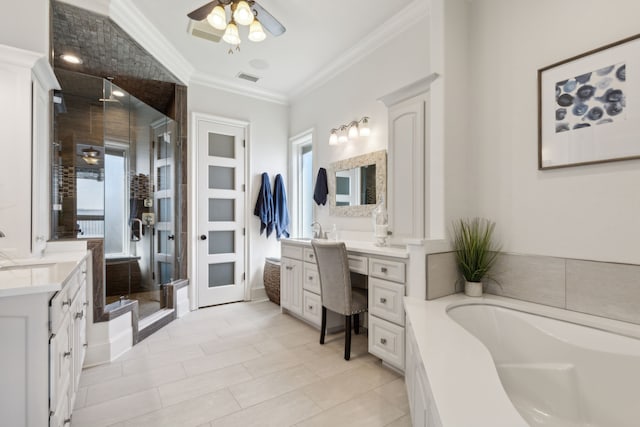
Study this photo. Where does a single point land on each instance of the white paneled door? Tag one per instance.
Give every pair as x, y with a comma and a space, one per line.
220, 202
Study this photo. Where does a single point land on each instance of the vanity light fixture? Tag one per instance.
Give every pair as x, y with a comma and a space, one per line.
353, 130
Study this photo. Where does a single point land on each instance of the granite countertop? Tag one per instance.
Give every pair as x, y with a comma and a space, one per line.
37, 275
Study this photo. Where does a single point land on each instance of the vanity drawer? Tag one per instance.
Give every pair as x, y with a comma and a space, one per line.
388, 270
311, 279
386, 341
292, 251
358, 264
309, 255
312, 308
385, 300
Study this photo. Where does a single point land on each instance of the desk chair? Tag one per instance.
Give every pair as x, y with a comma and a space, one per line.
336, 293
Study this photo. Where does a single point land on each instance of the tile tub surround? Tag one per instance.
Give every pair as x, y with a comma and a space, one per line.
241, 364
603, 289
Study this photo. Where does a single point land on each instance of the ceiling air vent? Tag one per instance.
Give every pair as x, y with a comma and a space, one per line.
205, 31
248, 77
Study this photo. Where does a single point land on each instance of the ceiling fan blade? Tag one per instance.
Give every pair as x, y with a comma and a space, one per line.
200, 13
267, 20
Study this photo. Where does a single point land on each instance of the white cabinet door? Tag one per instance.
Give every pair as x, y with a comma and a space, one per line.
291, 285
406, 177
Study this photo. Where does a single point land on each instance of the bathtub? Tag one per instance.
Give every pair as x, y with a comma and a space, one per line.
512, 363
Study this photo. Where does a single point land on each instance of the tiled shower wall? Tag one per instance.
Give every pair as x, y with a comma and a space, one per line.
599, 288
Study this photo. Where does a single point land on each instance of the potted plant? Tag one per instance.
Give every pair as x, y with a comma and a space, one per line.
476, 251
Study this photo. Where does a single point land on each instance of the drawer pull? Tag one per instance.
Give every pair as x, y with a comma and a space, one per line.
66, 354
310, 307
383, 300
67, 421
86, 303
67, 302
310, 277
289, 267
85, 345
80, 315
383, 341
383, 270
311, 256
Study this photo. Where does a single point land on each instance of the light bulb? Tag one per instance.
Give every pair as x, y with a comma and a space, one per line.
364, 128
353, 131
256, 33
343, 138
333, 139
243, 14
231, 35
218, 18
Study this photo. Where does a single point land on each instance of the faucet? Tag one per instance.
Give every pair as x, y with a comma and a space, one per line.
135, 238
318, 233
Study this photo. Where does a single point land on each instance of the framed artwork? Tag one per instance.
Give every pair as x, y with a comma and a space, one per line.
589, 107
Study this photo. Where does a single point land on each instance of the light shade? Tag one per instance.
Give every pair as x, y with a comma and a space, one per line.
231, 35
256, 33
364, 127
333, 139
218, 18
343, 138
353, 131
243, 14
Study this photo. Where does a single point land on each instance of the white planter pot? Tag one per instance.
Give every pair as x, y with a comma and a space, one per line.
473, 289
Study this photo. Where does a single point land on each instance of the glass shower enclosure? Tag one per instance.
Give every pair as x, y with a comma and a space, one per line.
113, 178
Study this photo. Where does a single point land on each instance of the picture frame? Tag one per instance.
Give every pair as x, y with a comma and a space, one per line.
589, 107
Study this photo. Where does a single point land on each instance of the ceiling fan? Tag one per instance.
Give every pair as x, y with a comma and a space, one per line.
243, 12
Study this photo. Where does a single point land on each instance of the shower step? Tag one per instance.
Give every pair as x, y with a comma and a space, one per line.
154, 318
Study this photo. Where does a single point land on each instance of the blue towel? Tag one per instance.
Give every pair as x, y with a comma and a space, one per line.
281, 214
321, 190
264, 206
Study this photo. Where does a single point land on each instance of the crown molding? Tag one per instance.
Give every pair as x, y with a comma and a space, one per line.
238, 88
407, 17
43, 71
129, 18
101, 7
18, 57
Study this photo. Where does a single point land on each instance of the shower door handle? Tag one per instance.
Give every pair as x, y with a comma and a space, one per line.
203, 237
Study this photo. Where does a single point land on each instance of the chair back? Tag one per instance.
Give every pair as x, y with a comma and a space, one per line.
335, 278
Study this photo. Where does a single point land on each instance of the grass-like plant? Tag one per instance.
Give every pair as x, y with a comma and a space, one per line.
475, 249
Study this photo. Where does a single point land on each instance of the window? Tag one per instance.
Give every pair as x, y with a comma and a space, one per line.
302, 184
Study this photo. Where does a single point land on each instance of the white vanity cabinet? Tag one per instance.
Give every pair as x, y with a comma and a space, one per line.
386, 312
43, 330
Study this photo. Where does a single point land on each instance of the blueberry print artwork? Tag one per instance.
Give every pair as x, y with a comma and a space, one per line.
591, 99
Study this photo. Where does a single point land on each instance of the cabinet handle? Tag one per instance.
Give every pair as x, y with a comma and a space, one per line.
289, 267
85, 345
86, 303
310, 277
311, 256
383, 270
80, 315
310, 307
67, 302
383, 300
67, 421
66, 354
383, 341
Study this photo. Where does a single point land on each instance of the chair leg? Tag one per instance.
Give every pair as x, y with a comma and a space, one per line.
347, 338
356, 323
323, 325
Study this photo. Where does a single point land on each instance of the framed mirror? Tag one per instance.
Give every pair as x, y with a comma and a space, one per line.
357, 184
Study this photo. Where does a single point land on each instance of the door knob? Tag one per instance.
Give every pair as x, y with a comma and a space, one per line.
172, 237
203, 237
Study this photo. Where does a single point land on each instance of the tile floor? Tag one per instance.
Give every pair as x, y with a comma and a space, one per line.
242, 364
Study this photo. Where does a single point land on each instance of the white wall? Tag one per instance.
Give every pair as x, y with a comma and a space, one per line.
590, 212
352, 95
267, 151
25, 24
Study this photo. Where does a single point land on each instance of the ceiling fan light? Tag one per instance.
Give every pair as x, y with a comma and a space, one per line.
218, 18
231, 34
256, 33
243, 14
